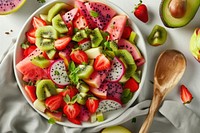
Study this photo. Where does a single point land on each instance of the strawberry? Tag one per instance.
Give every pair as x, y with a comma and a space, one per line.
79, 56
31, 92
53, 102
132, 85
92, 104
31, 36
141, 12
101, 63
186, 96
71, 91
72, 110
61, 43
38, 22
75, 121
127, 31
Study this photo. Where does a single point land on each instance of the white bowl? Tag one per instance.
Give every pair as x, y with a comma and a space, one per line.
109, 116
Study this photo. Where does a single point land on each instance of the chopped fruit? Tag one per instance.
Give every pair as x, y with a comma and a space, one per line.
30, 90
55, 115
53, 102
127, 32
80, 22
38, 22
61, 43
132, 85
101, 63
72, 110
186, 96
79, 57
75, 121
29, 50
141, 12
71, 91
92, 104
31, 36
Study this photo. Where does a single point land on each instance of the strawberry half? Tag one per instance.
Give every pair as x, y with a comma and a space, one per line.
132, 85
53, 102
186, 96
101, 63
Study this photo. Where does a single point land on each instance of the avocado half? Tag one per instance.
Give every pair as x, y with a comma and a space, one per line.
171, 22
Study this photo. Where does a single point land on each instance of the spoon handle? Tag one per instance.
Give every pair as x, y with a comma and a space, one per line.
155, 103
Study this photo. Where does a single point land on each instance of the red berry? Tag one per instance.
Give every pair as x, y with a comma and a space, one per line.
186, 96
141, 12
132, 85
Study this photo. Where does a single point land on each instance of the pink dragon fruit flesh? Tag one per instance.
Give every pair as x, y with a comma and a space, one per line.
114, 90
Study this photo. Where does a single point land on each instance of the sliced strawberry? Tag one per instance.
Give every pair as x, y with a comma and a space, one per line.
79, 56
72, 110
61, 43
132, 85
31, 92
83, 41
127, 31
92, 104
31, 36
38, 22
29, 50
80, 22
53, 102
71, 91
186, 96
75, 121
101, 63
70, 29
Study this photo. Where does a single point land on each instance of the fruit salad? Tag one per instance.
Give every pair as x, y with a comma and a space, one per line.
80, 62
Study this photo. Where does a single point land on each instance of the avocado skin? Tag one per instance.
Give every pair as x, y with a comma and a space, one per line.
170, 23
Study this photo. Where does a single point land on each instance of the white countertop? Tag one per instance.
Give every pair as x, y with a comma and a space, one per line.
177, 39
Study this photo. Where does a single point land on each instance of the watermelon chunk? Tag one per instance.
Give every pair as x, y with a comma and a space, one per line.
83, 11
116, 27
31, 72
103, 13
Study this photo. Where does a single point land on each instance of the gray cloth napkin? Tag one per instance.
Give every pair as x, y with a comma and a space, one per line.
17, 116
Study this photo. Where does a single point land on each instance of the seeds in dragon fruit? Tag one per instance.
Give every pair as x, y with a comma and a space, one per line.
108, 105
116, 72
69, 16
58, 73
101, 13
132, 48
114, 90
85, 13
84, 115
10, 6
103, 74
85, 44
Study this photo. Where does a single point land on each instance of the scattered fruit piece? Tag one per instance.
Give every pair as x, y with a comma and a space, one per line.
158, 36
115, 129
194, 44
186, 96
141, 12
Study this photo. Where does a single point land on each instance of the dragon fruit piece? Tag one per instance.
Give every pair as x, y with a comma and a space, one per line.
132, 48
105, 13
116, 72
100, 92
84, 114
69, 16
103, 74
58, 73
85, 13
114, 90
10, 6
108, 105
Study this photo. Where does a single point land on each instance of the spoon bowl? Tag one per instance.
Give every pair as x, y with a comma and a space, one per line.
169, 69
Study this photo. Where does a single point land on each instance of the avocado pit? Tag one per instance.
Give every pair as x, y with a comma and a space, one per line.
178, 8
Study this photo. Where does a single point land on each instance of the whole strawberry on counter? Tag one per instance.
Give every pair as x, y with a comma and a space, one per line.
141, 12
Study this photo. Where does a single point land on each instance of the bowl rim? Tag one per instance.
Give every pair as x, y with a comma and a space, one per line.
143, 51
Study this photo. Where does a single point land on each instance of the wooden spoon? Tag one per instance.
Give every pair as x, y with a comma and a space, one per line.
168, 71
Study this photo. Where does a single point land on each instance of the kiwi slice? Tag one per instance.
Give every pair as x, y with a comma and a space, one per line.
132, 37
46, 32
80, 35
100, 116
43, 86
59, 24
81, 100
113, 46
55, 9
85, 71
96, 37
45, 44
125, 55
40, 61
51, 53
82, 87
